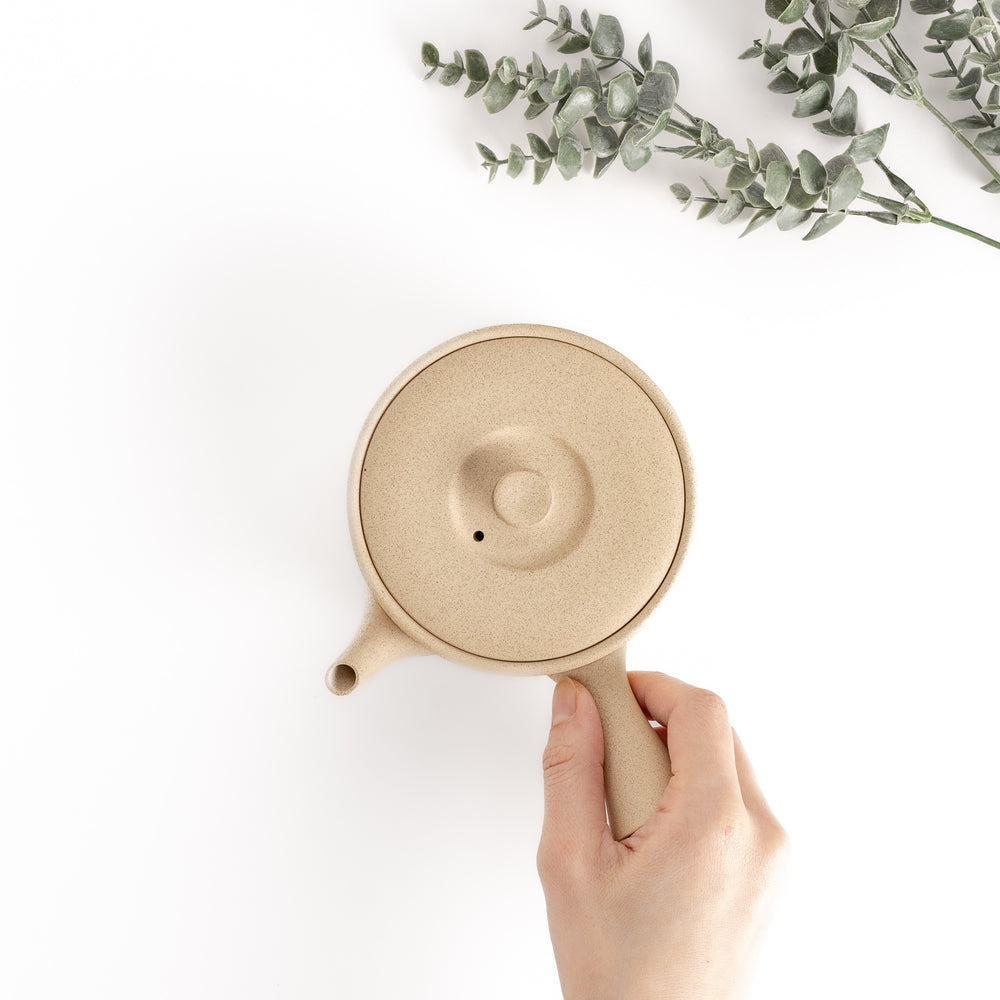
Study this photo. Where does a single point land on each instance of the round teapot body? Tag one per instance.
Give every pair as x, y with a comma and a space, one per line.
520, 499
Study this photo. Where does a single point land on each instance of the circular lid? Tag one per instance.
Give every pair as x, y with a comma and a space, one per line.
521, 497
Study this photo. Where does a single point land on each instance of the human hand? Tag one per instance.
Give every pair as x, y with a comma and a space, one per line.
676, 910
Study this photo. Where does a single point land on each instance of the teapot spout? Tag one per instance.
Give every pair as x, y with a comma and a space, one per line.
379, 641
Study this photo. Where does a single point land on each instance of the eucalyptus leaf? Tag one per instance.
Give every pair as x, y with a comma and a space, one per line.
760, 218
680, 191
963, 93
878, 9
634, 155
793, 11
476, 66
664, 67
657, 94
586, 22
770, 153
739, 177
825, 126
623, 97
902, 66
789, 217
601, 114
574, 43
569, 156
883, 83
784, 83
835, 165
497, 94
707, 209
812, 101
824, 224
608, 39
515, 161
589, 76
450, 75
579, 104
951, 28
646, 53
989, 142
812, 173
821, 11
656, 128
753, 157
868, 31
844, 117
844, 189
802, 41
541, 168
754, 194
981, 26
725, 157
929, 6
602, 163
539, 148
562, 82
507, 70
429, 55
827, 59
603, 139
777, 181
845, 54
798, 197
486, 153
734, 205
868, 145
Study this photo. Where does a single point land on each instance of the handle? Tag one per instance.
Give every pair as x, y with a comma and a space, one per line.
636, 762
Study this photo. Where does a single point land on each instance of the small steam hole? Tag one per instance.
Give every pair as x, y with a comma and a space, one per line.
478, 536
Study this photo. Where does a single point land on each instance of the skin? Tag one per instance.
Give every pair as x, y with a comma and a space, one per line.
675, 911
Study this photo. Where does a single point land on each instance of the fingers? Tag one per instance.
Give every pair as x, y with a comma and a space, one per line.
698, 734
573, 767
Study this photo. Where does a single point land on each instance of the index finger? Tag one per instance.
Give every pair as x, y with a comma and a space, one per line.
699, 736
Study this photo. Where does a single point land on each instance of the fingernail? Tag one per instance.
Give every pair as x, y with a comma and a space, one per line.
563, 700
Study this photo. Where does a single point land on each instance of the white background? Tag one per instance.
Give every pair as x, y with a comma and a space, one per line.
224, 229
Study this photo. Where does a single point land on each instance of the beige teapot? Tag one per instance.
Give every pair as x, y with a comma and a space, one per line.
520, 499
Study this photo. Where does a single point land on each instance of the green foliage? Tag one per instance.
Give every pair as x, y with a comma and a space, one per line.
611, 109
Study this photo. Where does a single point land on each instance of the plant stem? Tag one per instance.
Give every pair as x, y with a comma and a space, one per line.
912, 90
922, 218
955, 228
960, 135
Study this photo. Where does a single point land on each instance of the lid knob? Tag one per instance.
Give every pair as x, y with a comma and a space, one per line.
522, 498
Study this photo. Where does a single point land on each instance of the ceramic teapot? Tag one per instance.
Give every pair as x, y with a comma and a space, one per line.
520, 499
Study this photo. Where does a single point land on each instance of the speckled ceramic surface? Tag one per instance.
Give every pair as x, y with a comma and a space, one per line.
520, 498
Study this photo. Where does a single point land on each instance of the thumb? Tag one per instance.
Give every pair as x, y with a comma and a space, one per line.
573, 769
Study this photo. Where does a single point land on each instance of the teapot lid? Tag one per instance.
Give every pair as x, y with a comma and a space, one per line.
521, 494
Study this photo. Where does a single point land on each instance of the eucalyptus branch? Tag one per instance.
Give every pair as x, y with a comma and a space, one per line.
622, 114
979, 65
